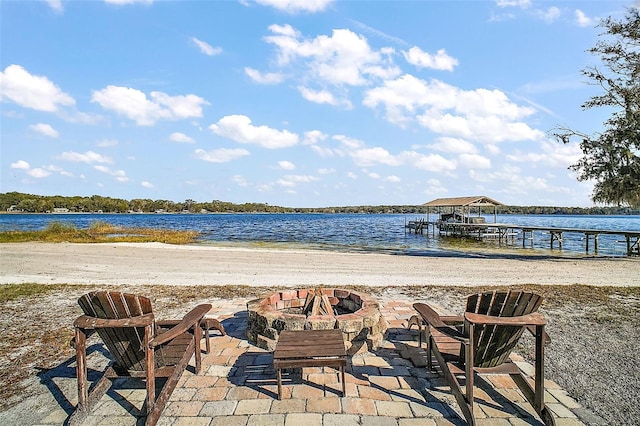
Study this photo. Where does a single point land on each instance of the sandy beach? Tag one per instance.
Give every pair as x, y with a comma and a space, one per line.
155, 263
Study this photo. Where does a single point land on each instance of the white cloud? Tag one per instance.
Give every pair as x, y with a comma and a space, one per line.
107, 143
439, 61
347, 142
20, 164
379, 33
45, 129
124, 2
56, 5
265, 187
366, 157
313, 136
514, 3
583, 20
323, 97
239, 180
89, 157
206, 48
493, 149
38, 173
264, 78
220, 155
286, 183
181, 138
434, 186
352, 175
482, 115
550, 15
344, 58
302, 178
513, 181
286, 165
430, 162
474, 161
296, 6
454, 145
240, 129
32, 91
551, 154
290, 181
326, 171
120, 175
146, 184
56, 169
371, 156
135, 105
325, 151
393, 179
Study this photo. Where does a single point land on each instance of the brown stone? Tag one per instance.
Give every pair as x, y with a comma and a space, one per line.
266, 343
320, 322
341, 294
350, 323
370, 315
288, 295
289, 322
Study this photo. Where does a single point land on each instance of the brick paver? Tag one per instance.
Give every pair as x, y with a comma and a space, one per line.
389, 387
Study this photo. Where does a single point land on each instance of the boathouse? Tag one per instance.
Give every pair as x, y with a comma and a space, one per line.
463, 217
461, 209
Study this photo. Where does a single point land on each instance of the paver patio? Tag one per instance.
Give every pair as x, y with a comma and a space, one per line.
237, 386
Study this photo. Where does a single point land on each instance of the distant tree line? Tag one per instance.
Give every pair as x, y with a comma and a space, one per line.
28, 203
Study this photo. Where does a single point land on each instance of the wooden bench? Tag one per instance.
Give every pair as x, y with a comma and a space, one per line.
309, 348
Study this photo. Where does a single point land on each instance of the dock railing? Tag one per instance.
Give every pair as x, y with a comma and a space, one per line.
508, 233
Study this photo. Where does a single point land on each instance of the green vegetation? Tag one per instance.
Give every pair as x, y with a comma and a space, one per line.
28, 203
9, 292
98, 232
612, 158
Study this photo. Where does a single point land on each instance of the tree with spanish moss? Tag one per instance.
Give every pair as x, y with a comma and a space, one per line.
612, 158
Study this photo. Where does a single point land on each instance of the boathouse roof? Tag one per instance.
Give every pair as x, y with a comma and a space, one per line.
463, 201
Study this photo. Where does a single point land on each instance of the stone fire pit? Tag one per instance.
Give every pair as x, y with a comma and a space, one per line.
356, 314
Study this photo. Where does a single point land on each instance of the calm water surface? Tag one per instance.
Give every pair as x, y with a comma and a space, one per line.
348, 232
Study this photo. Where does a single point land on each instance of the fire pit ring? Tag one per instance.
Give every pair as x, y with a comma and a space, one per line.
356, 314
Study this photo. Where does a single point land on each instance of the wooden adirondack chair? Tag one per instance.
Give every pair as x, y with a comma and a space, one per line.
486, 334
141, 347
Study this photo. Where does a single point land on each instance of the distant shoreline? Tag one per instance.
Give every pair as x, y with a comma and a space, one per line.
42, 203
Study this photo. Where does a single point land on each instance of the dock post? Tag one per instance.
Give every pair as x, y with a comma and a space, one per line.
556, 235
586, 247
628, 245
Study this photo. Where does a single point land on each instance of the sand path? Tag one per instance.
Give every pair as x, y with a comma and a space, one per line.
155, 263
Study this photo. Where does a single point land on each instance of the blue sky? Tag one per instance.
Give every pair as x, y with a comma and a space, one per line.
306, 103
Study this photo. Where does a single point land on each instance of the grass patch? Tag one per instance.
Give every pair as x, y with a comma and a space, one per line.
99, 232
9, 292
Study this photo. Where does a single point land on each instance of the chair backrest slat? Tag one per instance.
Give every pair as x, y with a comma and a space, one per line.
124, 343
493, 344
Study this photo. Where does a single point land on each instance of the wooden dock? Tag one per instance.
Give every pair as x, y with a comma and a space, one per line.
509, 233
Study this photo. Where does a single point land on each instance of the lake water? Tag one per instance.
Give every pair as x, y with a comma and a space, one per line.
350, 232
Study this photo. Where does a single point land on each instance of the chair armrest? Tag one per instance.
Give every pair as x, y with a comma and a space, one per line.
452, 319
192, 319
435, 320
532, 330
205, 324
521, 321
87, 322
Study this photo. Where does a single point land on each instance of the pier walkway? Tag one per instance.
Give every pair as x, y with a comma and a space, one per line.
509, 233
